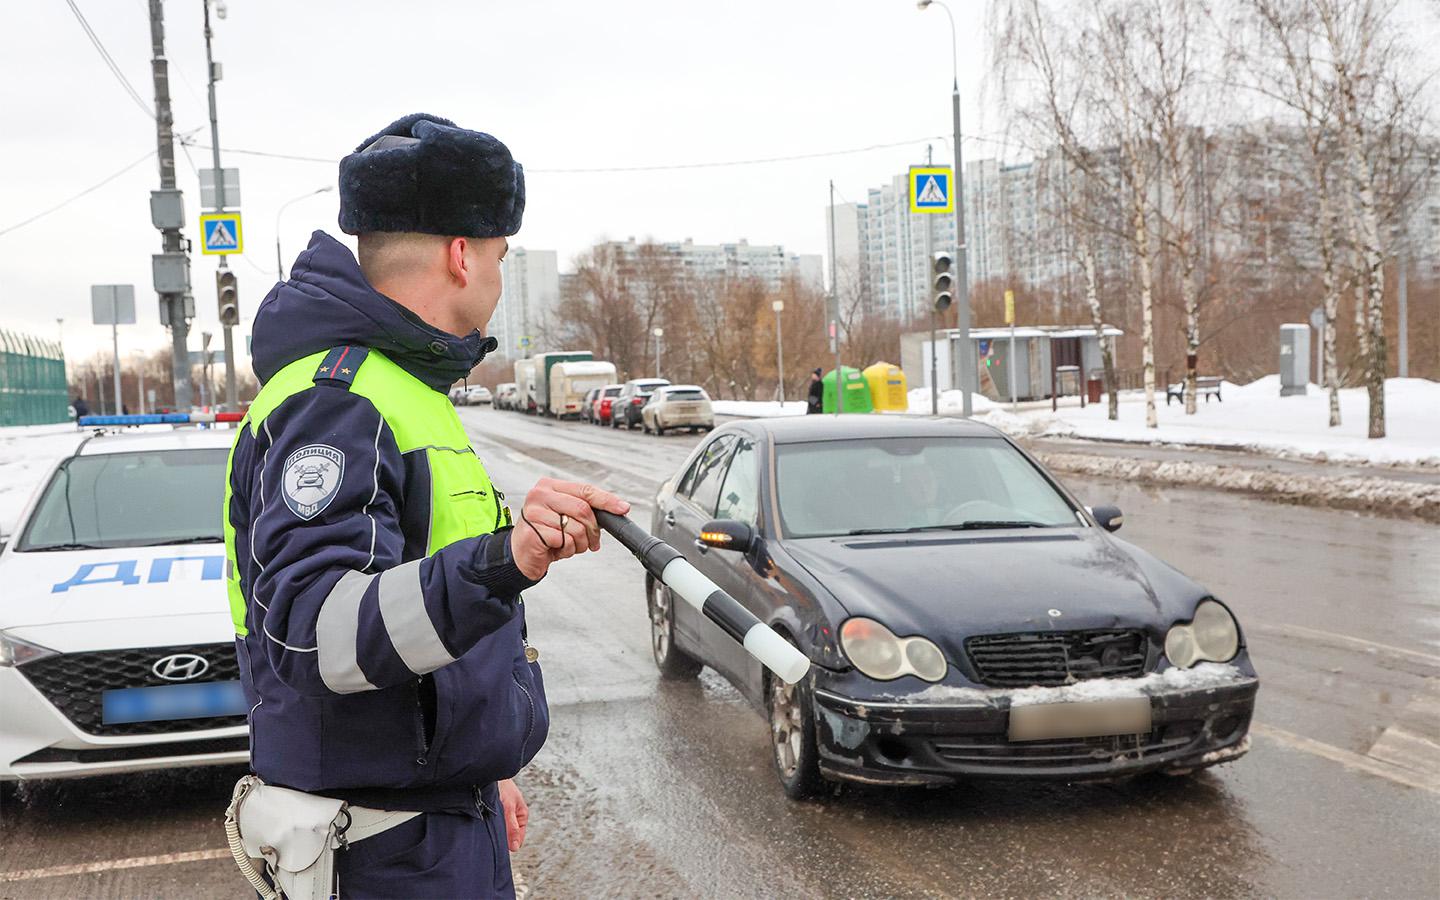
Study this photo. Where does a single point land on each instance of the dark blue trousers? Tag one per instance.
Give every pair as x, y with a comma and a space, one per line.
435, 855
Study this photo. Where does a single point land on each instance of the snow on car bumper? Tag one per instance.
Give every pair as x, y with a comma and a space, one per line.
918, 741
37, 741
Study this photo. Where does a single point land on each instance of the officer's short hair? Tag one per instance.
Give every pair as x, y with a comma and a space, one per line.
384, 255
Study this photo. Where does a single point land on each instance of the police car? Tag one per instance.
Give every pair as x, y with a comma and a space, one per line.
116, 648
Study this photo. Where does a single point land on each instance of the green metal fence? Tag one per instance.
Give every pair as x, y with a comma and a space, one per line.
32, 381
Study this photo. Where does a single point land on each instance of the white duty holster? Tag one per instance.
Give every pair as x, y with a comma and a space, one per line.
296, 834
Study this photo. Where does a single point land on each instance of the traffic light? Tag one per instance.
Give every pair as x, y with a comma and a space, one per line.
944, 281
228, 296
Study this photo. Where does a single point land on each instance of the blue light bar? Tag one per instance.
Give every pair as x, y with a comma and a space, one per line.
136, 419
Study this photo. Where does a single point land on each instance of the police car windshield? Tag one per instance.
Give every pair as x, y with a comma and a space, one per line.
898, 485
130, 500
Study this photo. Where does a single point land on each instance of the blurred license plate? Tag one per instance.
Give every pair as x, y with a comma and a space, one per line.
173, 701
1045, 721
687, 407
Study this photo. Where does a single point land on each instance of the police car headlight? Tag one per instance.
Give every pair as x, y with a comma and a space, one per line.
1211, 636
15, 652
877, 652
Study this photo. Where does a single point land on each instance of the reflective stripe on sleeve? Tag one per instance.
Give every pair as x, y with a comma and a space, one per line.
336, 632
402, 608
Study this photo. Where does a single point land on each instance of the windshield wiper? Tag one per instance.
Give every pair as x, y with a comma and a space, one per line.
193, 539
978, 524
70, 546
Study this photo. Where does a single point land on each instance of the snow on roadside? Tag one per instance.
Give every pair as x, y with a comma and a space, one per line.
1255, 417
757, 409
26, 452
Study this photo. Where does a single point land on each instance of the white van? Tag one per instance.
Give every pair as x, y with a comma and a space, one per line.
571, 381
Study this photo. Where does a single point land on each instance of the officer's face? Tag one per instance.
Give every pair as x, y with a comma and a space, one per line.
482, 293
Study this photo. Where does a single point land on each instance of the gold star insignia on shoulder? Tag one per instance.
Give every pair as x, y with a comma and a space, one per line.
344, 371
324, 368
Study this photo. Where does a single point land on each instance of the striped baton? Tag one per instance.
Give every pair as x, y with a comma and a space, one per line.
675, 572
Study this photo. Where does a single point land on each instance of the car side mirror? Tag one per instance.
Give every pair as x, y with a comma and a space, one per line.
727, 534
1108, 517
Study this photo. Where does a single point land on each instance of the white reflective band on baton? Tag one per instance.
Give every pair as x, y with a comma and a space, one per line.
761, 642
336, 631
402, 609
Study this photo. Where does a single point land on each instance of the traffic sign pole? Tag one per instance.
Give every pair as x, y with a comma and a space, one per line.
232, 399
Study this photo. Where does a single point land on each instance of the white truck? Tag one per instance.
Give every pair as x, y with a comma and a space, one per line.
571, 381
525, 400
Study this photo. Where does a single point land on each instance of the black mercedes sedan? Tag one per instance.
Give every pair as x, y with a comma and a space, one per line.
965, 615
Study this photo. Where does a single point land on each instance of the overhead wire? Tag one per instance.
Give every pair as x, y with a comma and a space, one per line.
91, 189
109, 60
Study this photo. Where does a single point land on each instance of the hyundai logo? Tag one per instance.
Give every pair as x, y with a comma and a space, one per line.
180, 667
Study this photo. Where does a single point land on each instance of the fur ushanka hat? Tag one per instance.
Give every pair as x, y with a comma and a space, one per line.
425, 174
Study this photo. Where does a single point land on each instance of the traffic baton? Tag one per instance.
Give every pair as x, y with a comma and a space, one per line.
675, 572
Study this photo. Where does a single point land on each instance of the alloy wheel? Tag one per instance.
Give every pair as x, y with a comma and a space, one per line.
786, 726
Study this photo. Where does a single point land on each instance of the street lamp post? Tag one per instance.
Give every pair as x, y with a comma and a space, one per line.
280, 260
779, 307
139, 357
963, 353
659, 333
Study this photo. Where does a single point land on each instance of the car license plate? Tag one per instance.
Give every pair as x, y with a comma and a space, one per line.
687, 407
1046, 721
173, 701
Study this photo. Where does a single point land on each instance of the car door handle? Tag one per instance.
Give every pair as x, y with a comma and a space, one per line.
702, 546
670, 519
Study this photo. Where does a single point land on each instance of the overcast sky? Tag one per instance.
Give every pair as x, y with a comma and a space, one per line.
567, 85
570, 85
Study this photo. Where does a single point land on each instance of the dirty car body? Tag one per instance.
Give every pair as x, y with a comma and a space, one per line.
1017, 637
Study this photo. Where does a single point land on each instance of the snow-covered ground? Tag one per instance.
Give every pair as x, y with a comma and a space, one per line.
1255, 417
25, 453
757, 409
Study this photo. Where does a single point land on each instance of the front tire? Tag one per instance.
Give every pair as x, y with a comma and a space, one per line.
674, 664
793, 744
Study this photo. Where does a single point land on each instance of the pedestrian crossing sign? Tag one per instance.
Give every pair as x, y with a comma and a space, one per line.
220, 234
930, 189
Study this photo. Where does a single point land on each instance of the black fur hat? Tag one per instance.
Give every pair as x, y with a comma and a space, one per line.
425, 174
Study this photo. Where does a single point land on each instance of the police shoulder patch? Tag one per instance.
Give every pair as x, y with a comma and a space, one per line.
312, 479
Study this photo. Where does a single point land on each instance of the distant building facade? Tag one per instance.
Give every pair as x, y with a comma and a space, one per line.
769, 264
529, 298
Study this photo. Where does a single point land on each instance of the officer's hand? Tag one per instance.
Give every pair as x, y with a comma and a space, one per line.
538, 539
517, 814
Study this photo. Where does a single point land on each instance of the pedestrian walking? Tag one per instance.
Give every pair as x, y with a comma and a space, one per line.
815, 401
81, 407
374, 575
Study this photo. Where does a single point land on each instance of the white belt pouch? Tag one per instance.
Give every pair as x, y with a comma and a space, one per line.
297, 835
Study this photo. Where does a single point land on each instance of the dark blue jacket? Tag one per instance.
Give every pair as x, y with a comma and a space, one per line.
428, 741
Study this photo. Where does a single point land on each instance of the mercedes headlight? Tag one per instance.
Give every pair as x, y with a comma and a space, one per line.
15, 652
1212, 636
879, 653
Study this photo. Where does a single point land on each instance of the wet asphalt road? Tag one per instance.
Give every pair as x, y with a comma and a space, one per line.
658, 789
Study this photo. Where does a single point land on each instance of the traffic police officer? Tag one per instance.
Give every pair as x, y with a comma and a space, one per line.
374, 577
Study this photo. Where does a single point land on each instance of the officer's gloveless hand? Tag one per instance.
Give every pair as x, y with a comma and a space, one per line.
539, 539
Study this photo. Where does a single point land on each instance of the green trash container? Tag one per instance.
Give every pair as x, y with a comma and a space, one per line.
856, 390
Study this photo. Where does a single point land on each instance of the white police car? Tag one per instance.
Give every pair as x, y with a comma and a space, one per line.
116, 648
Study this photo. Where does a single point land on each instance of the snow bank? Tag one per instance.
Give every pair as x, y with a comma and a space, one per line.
1204, 675
26, 452
951, 402
1255, 417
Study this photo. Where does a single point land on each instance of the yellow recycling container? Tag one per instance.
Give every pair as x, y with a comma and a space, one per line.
888, 390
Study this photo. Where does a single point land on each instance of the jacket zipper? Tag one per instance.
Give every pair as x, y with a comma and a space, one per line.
531, 728
422, 748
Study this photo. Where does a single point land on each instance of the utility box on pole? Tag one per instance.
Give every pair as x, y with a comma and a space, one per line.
1294, 359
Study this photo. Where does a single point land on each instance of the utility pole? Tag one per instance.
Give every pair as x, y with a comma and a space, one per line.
1403, 323
835, 308
929, 263
779, 306
172, 267
232, 399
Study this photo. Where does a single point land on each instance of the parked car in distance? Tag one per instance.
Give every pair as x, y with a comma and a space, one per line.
505, 395
478, 394
587, 406
677, 406
625, 409
605, 403
965, 616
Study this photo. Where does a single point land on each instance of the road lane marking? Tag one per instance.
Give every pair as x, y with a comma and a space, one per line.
1334, 638
134, 862
1355, 761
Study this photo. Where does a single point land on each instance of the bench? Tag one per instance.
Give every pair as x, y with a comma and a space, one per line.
1206, 386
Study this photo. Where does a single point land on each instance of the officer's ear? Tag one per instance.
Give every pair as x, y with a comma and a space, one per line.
457, 262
